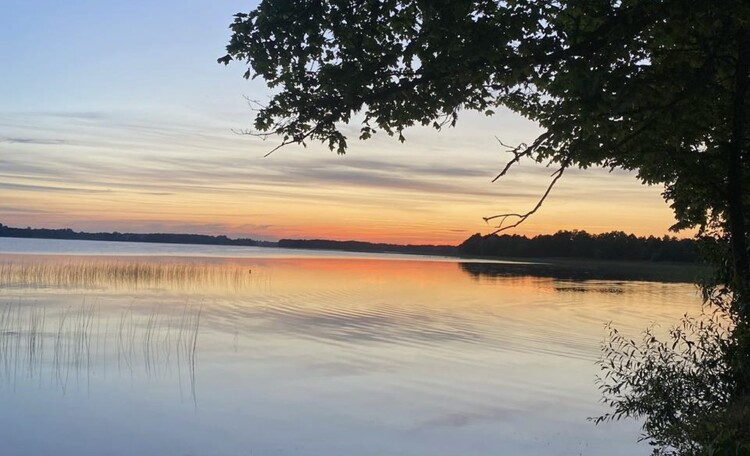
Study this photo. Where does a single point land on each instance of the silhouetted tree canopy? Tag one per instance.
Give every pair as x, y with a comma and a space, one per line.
659, 87
641, 85
655, 86
165, 238
614, 245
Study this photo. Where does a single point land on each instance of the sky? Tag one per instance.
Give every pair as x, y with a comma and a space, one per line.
115, 116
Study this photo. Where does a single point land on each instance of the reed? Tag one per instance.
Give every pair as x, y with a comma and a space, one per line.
79, 347
126, 274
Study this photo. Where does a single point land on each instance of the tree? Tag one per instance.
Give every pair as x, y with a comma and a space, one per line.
682, 388
655, 86
659, 87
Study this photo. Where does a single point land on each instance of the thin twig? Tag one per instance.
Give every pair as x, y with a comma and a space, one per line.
519, 152
522, 217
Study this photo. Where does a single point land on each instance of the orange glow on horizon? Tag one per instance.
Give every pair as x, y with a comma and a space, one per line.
352, 203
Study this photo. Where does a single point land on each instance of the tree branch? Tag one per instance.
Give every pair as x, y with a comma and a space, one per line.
520, 151
522, 217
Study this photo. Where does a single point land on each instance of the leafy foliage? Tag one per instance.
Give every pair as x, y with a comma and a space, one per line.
691, 389
614, 245
661, 87
644, 85
670, 386
683, 388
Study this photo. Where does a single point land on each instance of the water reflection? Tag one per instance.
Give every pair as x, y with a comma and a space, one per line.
71, 346
581, 270
578, 288
309, 356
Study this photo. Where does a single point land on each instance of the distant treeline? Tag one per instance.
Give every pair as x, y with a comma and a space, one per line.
615, 245
166, 238
563, 244
360, 246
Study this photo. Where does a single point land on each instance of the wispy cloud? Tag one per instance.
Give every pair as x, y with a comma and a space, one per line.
48, 188
40, 141
142, 162
8, 209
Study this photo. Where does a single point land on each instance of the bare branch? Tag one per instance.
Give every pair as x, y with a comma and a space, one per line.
256, 134
255, 105
522, 217
283, 143
520, 151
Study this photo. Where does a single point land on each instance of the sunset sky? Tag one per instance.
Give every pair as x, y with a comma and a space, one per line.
115, 116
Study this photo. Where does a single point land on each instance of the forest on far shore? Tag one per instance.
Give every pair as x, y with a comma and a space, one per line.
615, 245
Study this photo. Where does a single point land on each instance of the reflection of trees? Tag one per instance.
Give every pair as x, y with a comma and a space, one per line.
74, 344
584, 270
655, 87
691, 390
687, 389
681, 386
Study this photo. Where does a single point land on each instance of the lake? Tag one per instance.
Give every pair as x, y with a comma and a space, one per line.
151, 349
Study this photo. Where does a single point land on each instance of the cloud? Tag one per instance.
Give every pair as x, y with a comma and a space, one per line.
49, 188
125, 149
181, 159
60, 113
6, 209
221, 174
34, 141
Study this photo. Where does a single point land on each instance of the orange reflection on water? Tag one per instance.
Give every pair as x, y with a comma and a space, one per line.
411, 281
433, 292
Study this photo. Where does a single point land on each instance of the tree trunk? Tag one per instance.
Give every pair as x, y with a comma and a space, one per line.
736, 221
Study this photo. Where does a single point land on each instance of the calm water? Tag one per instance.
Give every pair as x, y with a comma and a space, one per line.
152, 349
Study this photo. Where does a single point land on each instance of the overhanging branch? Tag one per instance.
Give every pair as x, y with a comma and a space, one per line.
522, 217
519, 152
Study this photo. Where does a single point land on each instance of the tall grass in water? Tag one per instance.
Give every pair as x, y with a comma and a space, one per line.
125, 274
70, 345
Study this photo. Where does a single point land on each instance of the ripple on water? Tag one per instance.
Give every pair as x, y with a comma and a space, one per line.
400, 351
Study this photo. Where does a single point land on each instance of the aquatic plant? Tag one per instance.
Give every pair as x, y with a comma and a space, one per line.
124, 274
78, 343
